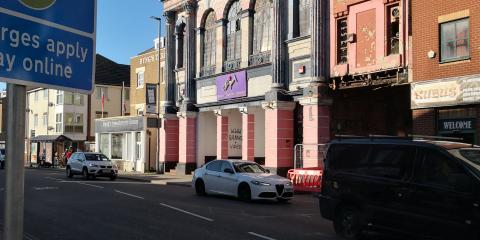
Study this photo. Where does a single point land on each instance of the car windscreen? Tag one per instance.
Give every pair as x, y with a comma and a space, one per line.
248, 168
470, 156
95, 157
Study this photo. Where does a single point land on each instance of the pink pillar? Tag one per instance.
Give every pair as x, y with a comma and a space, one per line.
316, 130
187, 142
169, 142
279, 136
222, 137
248, 137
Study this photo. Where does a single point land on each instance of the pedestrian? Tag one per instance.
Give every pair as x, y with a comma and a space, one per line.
69, 154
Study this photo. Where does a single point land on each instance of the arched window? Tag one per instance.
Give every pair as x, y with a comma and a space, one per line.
209, 40
234, 34
180, 43
262, 26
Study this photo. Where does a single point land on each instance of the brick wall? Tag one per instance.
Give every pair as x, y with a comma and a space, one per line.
424, 122
425, 33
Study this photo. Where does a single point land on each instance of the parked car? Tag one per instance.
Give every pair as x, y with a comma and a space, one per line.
91, 165
424, 188
243, 179
2, 158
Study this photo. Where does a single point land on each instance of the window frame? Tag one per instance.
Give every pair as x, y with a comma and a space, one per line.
140, 73
262, 19
232, 48
209, 40
300, 14
441, 44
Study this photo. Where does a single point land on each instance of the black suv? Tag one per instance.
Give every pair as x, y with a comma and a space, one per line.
422, 188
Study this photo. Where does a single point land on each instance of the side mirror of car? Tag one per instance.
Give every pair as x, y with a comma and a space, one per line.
228, 170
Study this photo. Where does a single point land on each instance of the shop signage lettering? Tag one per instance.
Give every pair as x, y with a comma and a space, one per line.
148, 59
457, 124
233, 85
465, 90
235, 139
119, 125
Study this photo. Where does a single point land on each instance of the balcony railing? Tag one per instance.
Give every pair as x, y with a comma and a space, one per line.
207, 71
231, 65
259, 58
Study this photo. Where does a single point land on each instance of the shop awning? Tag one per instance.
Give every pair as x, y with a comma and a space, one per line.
50, 138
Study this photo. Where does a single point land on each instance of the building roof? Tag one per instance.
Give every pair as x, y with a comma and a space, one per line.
147, 51
109, 72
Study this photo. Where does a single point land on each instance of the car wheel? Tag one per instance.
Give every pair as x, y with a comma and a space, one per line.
113, 177
85, 173
69, 173
347, 223
244, 192
200, 188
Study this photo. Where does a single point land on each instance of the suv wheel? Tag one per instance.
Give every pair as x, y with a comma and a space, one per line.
69, 173
347, 222
85, 173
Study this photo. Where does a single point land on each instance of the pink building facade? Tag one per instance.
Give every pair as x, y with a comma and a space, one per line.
245, 82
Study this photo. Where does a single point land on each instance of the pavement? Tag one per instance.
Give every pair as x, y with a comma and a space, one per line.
61, 208
153, 178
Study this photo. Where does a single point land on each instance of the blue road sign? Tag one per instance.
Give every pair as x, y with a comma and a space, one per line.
48, 43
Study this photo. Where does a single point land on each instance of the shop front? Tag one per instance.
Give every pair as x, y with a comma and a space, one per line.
448, 107
47, 150
130, 142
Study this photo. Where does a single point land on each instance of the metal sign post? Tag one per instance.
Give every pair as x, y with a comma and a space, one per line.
48, 44
15, 172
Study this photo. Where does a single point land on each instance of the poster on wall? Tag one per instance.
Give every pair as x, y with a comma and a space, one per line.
151, 98
48, 152
232, 85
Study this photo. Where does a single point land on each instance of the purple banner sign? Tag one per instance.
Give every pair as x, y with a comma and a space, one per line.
232, 85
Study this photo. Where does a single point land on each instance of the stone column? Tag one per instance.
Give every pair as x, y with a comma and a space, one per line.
222, 135
220, 55
248, 134
187, 142
316, 100
246, 43
189, 63
169, 62
169, 141
318, 19
279, 136
316, 132
200, 43
278, 46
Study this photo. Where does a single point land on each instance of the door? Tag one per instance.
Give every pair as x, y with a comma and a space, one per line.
74, 162
443, 197
212, 175
227, 180
388, 169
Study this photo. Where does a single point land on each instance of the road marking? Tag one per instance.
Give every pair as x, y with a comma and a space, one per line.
91, 185
109, 182
29, 236
56, 179
187, 212
128, 194
45, 188
261, 236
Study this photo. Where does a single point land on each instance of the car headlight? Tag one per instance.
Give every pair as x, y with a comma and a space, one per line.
260, 183
92, 165
288, 184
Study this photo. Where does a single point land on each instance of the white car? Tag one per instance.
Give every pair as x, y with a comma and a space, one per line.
91, 165
243, 179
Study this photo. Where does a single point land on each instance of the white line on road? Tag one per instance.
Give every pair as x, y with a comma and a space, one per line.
45, 188
56, 179
261, 236
110, 182
187, 212
128, 194
91, 185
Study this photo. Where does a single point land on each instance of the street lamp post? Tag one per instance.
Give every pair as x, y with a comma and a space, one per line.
157, 155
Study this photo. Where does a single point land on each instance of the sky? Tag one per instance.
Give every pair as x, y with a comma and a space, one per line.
124, 28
